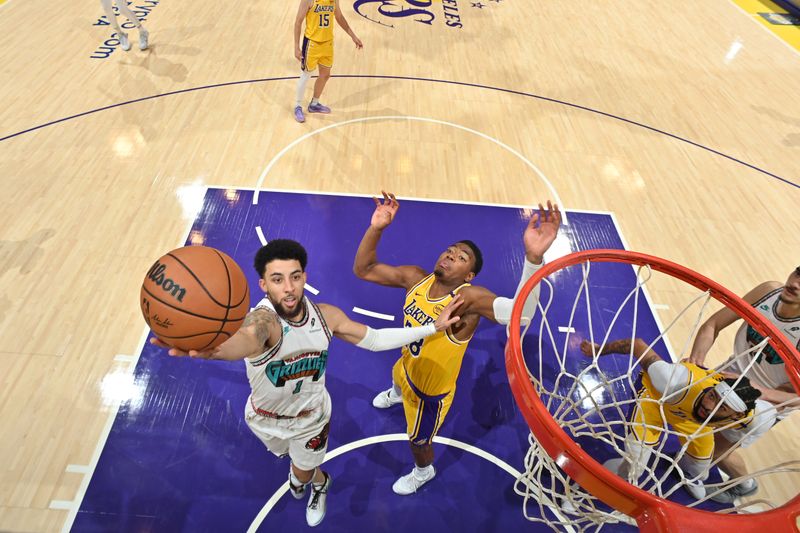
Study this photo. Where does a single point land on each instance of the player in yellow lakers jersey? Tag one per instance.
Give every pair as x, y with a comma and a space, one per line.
424, 378
316, 50
693, 400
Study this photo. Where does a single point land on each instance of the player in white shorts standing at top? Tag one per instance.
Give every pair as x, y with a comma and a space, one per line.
284, 342
780, 304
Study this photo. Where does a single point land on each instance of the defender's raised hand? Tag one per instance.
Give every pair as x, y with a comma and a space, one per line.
541, 232
384, 210
446, 319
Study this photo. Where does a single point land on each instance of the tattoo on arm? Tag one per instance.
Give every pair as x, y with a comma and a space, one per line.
262, 321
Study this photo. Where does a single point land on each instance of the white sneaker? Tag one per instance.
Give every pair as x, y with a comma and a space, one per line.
410, 483
143, 36
124, 43
315, 510
386, 399
696, 488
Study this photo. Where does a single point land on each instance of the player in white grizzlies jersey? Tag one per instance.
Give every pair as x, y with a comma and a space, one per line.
780, 304
284, 342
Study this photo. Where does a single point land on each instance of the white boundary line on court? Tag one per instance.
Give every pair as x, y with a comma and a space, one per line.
412, 198
310, 134
392, 437
373, 314
755, 20
75, 504
261, 237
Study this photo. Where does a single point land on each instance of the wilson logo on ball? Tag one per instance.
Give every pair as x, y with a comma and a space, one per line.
156, 275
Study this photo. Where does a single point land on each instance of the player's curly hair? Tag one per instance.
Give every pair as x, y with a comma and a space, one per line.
477, 253
279, 249
746, 392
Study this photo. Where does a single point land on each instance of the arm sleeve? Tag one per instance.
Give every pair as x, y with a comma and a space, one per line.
668, 378
378, 340
502, 306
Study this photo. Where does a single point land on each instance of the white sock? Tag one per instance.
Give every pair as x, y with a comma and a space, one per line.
123, 8
424, 472
395, 391
112, 18
301, 87
296, 482
318, 485
314, 101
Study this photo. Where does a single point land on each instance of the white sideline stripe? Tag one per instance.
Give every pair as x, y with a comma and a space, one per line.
124, 358
311, 289
660, 306
78, 469
413, 198
63, 505
112, 415
564, 329
373, 314
501, 144
261, 236
284, 488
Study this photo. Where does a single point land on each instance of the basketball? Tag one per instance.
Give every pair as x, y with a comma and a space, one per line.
194, 298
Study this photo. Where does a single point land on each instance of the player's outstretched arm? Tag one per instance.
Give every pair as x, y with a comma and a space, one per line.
637, 347
708, 332
539, 235
346, 27
260, 330
366, 265
377, 340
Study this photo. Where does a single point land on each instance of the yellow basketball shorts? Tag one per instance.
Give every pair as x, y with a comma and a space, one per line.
424, 413
315, 53
648, 424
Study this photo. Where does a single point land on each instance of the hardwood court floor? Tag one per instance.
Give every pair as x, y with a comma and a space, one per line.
646, 109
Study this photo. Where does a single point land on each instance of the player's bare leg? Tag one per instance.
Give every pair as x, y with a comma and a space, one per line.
319, 86
735, 467
422, 473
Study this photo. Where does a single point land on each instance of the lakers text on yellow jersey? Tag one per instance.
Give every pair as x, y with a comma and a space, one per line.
319, 21
433, 363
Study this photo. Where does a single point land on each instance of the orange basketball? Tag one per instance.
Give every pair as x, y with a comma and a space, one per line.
195, 298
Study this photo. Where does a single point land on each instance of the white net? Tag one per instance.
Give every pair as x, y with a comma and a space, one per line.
595, 400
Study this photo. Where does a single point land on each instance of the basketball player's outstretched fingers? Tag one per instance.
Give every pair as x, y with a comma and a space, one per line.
446, 319
158, 342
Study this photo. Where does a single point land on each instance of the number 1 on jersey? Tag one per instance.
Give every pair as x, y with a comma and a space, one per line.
297, 387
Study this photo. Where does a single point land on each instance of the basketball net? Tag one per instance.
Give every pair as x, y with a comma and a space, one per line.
592, 400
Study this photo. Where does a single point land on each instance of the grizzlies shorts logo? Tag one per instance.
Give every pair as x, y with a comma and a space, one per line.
318, 442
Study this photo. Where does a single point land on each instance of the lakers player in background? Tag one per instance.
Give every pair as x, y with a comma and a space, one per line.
424, 378
284, 344
692, 400
316, 49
